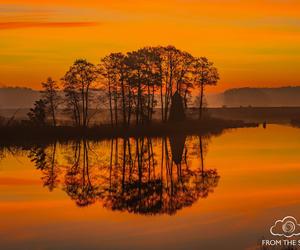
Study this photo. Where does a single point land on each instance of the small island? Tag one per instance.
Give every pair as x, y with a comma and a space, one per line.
146, 92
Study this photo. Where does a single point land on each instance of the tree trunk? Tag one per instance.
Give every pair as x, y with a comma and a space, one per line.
161, 102
83, 104
116, 105
161, 93
123, 101
166, 103
78, 114
53, 113
110, 103
201, 102
138, 110
86, 106
152, 103
148, 102
129, 106
185, 98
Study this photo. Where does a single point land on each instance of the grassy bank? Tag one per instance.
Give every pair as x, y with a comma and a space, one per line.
21, 133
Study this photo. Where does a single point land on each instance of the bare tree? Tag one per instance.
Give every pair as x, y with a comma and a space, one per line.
176, 70
51, 96
205, 74
72, 104
114, 71
143, 68
77, 83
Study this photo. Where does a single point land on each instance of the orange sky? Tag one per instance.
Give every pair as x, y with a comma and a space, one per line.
253, 43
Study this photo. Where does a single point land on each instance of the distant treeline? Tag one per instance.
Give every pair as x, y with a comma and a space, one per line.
262, 97
131, 85
17, 97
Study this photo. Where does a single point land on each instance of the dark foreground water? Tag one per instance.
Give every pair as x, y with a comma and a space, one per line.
197, 192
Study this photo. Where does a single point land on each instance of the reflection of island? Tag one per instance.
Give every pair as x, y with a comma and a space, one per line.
45, 160
138, 175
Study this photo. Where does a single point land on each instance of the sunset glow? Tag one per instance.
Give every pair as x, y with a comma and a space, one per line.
252, 43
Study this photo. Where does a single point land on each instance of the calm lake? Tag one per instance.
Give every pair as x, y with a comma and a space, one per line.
197, 192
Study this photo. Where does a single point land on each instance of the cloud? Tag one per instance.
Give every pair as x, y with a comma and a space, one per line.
287, 227
35, 24
29, 16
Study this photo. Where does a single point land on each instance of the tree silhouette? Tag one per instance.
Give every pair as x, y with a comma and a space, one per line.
205, 74
37, 114
141, 190
138, 175
144, 77
135, 84
139, 80
114, 72
78, 184
44, 159
77, 83
51, 97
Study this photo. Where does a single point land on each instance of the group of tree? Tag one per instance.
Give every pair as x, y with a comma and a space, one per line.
133, 85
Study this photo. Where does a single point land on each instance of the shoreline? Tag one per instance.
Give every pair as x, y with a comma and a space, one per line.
19, 134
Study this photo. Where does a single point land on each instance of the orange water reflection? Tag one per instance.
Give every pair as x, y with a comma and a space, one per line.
137, 175
101, 192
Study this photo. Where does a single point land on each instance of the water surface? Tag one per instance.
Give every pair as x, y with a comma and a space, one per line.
196, 192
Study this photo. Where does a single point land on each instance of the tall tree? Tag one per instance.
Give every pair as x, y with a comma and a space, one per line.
77, 83
136, 80
72, 104
152, 75
143, 68
176, 70
114, 72
170, 63
205, 74
51, 96
185, 77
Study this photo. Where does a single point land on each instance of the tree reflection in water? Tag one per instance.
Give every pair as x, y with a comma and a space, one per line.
78, 183
139, 175
44, 159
